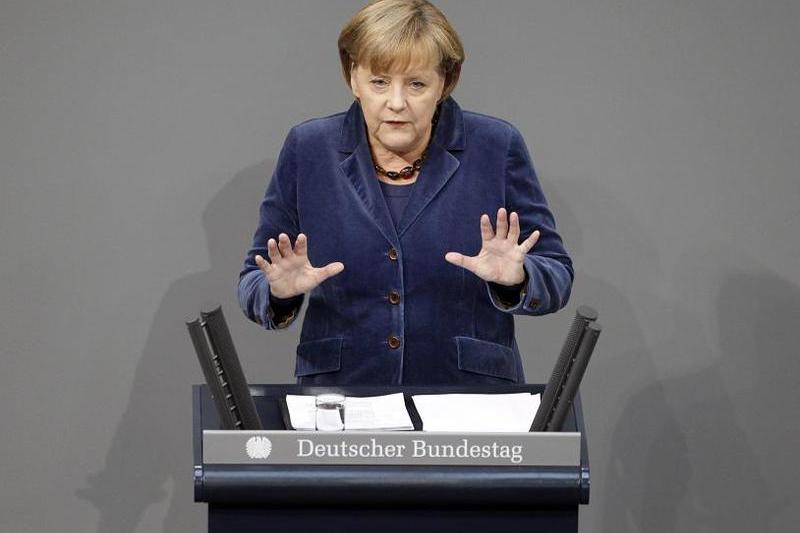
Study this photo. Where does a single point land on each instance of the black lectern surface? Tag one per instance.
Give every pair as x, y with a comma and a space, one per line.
332, 498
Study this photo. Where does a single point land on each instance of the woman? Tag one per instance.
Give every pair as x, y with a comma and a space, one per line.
381, 214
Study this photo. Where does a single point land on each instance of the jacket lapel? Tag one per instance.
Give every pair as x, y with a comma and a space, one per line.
439, 165
358, 169
437, 169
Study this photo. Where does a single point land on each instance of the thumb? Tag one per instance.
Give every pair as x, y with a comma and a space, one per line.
330, 270
459, 260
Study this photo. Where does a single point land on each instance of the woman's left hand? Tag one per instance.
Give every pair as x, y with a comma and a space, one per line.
501, 259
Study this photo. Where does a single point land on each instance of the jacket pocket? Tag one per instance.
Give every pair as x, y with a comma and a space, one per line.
487, 358
319, 356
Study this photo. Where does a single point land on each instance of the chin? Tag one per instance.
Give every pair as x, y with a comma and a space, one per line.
398, 145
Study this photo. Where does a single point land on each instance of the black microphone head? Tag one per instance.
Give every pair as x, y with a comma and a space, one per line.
586, 312
209, 308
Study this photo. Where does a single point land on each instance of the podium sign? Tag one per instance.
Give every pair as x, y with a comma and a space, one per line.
391, 448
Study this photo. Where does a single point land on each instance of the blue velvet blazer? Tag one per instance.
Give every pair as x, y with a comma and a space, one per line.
399, 313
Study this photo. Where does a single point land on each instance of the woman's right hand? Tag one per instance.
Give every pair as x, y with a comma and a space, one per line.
289, 271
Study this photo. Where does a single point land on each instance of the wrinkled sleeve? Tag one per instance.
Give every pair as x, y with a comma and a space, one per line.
548, 268
278, 214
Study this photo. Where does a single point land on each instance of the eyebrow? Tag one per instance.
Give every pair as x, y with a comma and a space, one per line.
409, 75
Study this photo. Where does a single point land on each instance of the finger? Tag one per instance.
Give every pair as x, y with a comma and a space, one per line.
487, 233
454, 257
529, 242
263, 264
285, 245
272, 251
329, 270
460, 260
513, 231
502, 223
301, 245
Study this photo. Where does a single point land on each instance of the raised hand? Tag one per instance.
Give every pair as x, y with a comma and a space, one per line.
501, 259
289, 271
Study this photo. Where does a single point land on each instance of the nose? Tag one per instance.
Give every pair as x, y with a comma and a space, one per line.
397, 98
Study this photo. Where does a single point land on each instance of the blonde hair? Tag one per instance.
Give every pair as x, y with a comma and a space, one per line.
397, 33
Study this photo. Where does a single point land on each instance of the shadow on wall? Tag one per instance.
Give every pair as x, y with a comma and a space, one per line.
758, 340
152, 447
717, 459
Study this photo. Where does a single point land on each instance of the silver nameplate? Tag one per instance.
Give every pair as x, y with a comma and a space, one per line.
391, 448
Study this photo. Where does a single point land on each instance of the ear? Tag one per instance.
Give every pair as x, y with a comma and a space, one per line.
354, 81
442, 81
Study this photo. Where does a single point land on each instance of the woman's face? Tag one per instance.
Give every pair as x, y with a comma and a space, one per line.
398, 106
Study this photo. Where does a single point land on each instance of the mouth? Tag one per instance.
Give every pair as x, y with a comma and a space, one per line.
395, 124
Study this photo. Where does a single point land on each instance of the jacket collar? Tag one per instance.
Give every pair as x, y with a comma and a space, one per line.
438, 168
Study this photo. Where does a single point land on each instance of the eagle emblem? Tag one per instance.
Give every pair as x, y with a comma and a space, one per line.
258, 447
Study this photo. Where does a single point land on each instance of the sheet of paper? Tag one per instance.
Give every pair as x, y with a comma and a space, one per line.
302, 412
377, 412
482, 413
386, 412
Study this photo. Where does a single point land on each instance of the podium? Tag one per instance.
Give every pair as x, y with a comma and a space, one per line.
388, 498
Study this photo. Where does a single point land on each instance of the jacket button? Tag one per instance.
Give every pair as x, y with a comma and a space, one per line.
394, 297
392, 254
394, 342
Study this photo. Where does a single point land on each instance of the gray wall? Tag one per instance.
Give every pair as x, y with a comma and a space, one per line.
136, 140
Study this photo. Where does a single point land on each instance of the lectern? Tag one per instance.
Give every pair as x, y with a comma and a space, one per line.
540, 493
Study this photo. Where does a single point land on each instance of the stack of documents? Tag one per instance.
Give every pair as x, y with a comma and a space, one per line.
369, 413
480, 413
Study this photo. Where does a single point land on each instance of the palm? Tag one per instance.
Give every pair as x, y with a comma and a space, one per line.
294, 275
501, 258
495, 261
289, 271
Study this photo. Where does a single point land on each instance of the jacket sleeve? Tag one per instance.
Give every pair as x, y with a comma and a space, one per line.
548, 268
278, 214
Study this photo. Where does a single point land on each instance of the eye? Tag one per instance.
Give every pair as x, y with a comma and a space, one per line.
417, 84
378, 82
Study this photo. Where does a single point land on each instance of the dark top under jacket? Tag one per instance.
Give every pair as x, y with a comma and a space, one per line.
396, 197
399, 313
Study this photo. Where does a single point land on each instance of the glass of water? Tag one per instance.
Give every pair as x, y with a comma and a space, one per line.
330, 412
